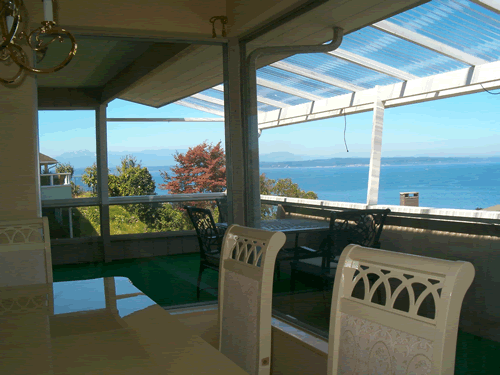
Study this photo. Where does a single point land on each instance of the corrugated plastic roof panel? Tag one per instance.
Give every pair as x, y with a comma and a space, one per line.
459, 23
299, 82
203, 103
334, 67
288, 99
265, 107
398, 53
216, 94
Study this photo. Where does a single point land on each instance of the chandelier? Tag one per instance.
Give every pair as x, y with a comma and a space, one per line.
11, 35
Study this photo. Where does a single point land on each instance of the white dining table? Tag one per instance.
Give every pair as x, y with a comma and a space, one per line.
101, 326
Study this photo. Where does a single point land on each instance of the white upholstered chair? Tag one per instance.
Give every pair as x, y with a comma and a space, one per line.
25, 256
245, 296
395, 313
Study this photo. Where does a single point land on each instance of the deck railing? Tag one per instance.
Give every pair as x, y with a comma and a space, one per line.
442, 233
55, 179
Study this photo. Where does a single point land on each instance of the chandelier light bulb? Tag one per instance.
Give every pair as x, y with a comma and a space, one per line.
10, 23
48, 12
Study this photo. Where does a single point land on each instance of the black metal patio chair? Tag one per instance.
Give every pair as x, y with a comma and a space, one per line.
360, 227
209, 240
222, 207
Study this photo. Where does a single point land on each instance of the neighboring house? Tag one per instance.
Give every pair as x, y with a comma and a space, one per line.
53, 185
45, 163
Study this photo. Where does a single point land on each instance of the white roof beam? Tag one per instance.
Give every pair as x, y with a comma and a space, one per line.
310, 73
209, 99
170, 119
429, 43
372, 64
200, 108
274, 103
493, 5
287, 89
440, 86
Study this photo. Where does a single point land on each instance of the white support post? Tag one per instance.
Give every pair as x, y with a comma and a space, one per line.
234, 131
102, 176
376, 151
51, 180
70, 222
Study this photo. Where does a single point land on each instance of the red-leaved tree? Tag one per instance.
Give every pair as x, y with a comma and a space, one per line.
202, 169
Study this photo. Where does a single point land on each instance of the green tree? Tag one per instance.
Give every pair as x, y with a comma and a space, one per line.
132, 179
89, 177
284, 187
68, 168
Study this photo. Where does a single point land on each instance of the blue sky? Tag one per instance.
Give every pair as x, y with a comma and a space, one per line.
462, 126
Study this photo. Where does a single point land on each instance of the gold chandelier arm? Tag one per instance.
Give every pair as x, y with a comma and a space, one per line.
42, 46
17, 76
11, 35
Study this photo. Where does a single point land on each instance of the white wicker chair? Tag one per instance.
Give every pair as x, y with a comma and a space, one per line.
25, 256
245, 296
395, 313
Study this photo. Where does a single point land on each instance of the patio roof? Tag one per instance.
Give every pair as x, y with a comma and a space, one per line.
439, 49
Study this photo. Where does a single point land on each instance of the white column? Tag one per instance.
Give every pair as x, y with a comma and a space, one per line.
234, 134
102, 175
70, 222
251, 145
19, 168
376, 151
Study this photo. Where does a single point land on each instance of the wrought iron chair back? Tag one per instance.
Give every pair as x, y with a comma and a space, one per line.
222, 206
360, 227
209, 239
208, 235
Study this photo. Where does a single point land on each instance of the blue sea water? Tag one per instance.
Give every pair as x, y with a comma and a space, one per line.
461, 186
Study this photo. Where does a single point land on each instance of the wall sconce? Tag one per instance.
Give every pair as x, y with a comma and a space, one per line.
11, 51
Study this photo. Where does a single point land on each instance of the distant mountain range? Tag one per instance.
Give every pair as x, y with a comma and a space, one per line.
85, 158
344, 162
164, 157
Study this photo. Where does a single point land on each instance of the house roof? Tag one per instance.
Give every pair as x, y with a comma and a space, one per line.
44, 159
492, 208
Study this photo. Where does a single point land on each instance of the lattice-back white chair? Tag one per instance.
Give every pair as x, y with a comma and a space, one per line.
25, 256
245, 296
395, 313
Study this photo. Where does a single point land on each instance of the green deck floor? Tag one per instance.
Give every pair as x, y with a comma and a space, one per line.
171, 280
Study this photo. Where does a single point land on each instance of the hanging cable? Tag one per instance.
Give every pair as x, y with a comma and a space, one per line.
489, 92
345, 127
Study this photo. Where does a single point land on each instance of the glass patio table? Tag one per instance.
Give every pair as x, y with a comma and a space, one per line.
294, 227
99, 326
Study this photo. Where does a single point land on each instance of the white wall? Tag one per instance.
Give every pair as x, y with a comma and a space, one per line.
19, 181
